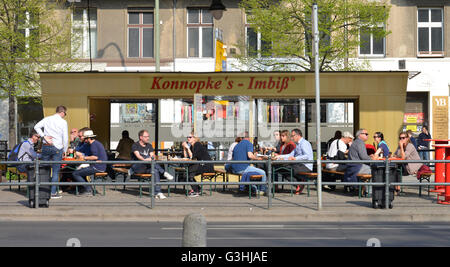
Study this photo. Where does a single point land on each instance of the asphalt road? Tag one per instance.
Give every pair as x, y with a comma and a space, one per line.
231, 235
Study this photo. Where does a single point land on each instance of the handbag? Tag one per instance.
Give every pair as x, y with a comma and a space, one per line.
339, 155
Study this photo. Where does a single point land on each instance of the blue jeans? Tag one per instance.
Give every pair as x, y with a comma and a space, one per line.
424, 155
147, 168
51, 153
78, 176
260, 172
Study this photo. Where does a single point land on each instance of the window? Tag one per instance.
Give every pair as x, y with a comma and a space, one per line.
29, 30
80, 32
200, 33
370, 45
430, 31
140, 33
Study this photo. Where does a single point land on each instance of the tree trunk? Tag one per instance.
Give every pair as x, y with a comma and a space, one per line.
12, 121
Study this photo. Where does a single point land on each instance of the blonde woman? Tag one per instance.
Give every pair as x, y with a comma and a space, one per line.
406, 151
197, 152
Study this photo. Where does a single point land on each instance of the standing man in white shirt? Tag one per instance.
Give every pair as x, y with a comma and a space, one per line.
55, 132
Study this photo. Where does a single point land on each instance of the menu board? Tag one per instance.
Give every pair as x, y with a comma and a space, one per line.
440, 117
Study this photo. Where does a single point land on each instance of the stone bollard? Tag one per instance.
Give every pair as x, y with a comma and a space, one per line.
194, 231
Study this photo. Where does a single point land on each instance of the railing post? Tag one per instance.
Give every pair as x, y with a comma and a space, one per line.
269, 183
152, 185
36, 185
386, 193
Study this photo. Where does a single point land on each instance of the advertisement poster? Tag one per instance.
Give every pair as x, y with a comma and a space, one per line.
440, 117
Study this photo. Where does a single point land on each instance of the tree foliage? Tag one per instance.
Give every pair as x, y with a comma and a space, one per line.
33, 37
285, 28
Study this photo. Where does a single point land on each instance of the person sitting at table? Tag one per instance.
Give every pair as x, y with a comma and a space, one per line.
337, 136
269, 147
230, 153
302, 151
187, 153
382, 147
74, 139
143, 150
287, 146
98, 153
83, 148
244, 151
406, 151
357, 151
338, 151
27, 152
197, 152
124, 146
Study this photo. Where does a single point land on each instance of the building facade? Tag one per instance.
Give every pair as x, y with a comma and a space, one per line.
122, 38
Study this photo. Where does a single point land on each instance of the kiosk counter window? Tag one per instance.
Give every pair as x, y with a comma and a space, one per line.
217, 120
133, 117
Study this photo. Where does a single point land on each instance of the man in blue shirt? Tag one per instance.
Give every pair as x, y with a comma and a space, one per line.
98, 154
244, 151
302, 151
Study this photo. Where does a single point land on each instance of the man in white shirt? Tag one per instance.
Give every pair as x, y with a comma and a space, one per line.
338, 145
55, 132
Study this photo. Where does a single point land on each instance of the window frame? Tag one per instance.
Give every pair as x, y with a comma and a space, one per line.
429, 25
259, 41
372, 55
200, 25
140, 26
83, 52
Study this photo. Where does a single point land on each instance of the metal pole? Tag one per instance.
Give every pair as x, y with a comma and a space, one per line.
316, 65
386, 193
36, 186
152, 189
157, 41
269, 183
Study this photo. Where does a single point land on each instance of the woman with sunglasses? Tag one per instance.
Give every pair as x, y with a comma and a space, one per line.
406, 151
381, 145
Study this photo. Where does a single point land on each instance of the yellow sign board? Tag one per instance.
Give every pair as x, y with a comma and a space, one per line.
220, 56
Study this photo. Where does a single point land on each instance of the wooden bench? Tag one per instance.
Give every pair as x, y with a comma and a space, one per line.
363, 178
102, 176
224, 174
427, 177
209, 176
121, 169
338, 175
140, 177
308, 176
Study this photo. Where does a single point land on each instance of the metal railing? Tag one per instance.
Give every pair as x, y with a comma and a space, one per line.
269, 183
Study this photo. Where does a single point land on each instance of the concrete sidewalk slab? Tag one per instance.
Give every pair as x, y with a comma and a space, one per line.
119, 205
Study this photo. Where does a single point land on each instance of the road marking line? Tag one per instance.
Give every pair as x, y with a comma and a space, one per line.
302, 228
257, 238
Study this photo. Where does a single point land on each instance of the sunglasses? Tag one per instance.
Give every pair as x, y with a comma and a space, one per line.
402, 137
189, 137
365, 134
376, 136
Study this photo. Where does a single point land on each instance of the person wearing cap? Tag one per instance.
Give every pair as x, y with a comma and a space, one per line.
98, 153
339, 146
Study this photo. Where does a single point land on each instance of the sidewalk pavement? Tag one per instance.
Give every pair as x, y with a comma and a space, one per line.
120, 205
